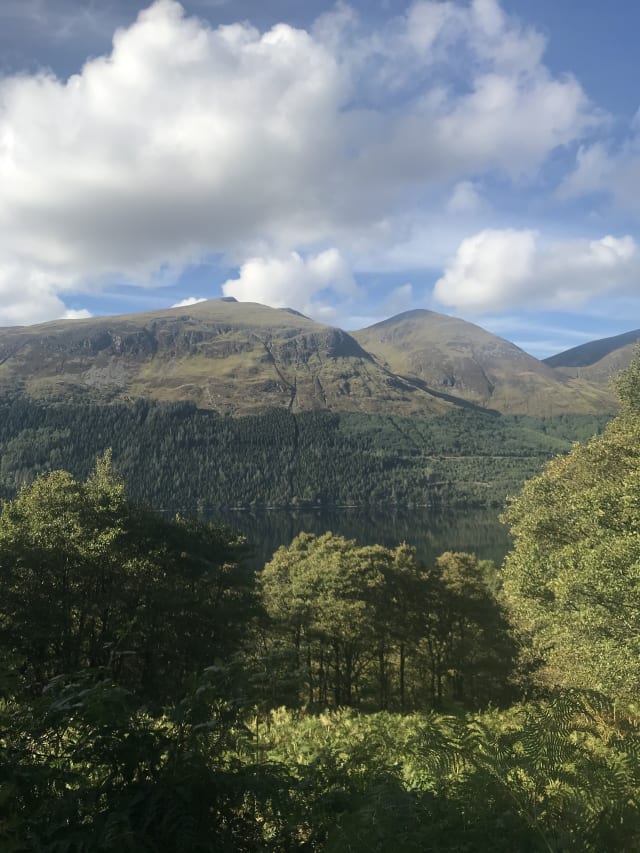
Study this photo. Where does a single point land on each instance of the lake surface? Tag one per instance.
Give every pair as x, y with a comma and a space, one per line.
430, 532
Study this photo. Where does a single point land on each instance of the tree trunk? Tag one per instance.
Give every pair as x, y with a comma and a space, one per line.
310, 673
402, 676
382, 678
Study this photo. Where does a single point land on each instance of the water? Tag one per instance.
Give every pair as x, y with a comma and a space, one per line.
477, 531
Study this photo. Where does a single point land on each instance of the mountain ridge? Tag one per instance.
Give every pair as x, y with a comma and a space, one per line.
585, 355
470, 363
236, 358
597, 361
243, 358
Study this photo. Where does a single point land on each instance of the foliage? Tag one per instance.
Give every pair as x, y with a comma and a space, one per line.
550, 776
88, 579
572, 578
175, 456
140, 679
370, 627
465, 652
85, 769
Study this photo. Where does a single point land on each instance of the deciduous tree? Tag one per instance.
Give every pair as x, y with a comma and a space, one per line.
572, 580
89, 579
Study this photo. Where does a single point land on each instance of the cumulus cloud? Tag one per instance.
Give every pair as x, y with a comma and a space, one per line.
592, 173
293, 281
602, 168
190, 300
500, 269
27, 296
189, 140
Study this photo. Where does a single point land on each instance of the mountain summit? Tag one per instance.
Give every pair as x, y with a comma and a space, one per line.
469, 363
234, 357
241, 358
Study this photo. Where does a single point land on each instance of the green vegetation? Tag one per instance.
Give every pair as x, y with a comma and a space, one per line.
465, 361
157, 696
176, 456
572, 578
90, 772
91, 581
233, 358
368, 627
243, 358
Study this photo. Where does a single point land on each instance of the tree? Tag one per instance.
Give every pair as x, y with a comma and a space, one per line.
371, 627
90, 580
321, 593
465, 652
573, 577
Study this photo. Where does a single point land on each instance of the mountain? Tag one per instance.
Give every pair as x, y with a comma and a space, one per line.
450, 355
597, 361
243, 358
235, 358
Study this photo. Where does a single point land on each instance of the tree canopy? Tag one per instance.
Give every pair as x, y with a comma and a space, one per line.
371, 627
134, 713
90, 580
572, 580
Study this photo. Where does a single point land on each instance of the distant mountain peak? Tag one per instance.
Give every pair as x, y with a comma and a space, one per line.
233, 357
413, 314
469, 363
588, 354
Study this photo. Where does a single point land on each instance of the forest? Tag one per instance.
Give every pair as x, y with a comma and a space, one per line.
174, 456
160, 695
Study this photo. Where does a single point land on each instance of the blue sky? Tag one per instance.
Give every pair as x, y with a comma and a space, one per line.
349, 160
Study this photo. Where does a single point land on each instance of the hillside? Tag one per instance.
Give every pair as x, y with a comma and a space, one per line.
242, 358
234, 358
175, 456
451, 355
597, 361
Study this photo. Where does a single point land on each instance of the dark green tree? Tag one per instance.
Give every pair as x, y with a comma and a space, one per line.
90, 580
467, 645
321, 593
368, 626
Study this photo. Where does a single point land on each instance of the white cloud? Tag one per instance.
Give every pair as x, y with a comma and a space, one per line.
465, 198
593, 172
496, 270
481, 29
603, 168
190, 300
292, 281
400, 299
72, 314
27, 296
188, 140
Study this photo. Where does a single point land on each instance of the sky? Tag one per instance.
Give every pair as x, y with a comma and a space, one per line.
350, 160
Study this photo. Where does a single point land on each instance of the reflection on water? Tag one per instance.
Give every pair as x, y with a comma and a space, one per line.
475, 530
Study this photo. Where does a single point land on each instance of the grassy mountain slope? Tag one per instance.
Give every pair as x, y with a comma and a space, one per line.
453, 356
597, 361
232, 357
243, 358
